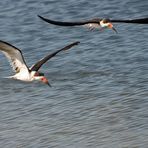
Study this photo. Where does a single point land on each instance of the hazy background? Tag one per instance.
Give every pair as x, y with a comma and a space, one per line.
99, 96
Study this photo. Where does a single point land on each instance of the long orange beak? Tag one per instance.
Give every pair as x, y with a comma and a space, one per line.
111, 27
45, 81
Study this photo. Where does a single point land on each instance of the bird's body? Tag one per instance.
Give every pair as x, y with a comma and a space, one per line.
22, 72
27, 76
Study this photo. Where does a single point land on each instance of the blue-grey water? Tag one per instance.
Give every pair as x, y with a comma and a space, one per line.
99, 94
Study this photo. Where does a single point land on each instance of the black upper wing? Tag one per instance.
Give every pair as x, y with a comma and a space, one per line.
136, 21
37, 66
97, 20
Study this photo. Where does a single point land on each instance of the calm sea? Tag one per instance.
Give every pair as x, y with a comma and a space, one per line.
99, 94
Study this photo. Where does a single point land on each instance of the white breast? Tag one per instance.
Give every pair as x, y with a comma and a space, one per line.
23, 75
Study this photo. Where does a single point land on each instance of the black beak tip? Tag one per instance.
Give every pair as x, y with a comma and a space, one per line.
49, 84
115, 30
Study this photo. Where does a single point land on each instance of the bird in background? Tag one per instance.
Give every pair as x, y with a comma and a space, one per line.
96, 23
22, 72
91, 24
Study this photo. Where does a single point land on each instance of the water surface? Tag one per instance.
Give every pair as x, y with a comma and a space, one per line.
100, 88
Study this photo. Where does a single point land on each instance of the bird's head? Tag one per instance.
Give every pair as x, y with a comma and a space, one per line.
105, 23
40, 77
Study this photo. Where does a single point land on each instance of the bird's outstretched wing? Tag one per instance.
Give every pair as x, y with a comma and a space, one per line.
135, 21
37, 66
78, 23
95, 21
14, 55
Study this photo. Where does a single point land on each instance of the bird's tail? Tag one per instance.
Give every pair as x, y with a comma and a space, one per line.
9, 77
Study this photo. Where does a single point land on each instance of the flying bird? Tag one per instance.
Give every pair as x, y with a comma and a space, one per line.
96, 23
91, 24
22, 72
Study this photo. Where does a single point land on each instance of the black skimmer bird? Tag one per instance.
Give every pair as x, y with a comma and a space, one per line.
91, 24
96, 23
23, 73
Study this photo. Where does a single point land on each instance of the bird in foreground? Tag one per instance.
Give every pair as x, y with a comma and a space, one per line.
96, 23
22, 72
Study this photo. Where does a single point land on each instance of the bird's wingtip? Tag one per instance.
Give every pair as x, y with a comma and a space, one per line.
71, 45
40, 16
76, 43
